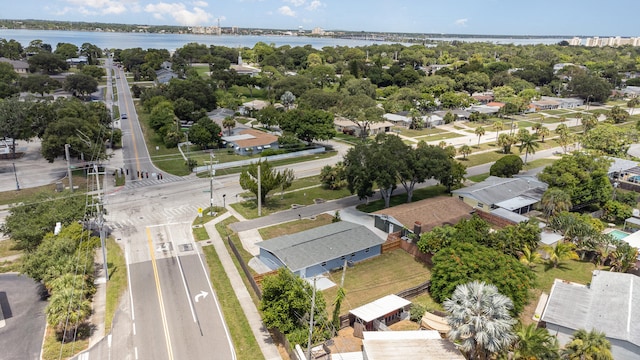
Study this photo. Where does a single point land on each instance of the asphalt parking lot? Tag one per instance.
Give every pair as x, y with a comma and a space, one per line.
22, 307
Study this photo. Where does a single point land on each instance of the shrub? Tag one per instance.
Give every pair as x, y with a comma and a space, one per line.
506, 166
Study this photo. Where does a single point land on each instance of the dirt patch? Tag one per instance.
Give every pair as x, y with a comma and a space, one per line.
405, 325
345, 342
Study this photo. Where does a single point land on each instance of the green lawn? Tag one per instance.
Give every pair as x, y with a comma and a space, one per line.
117, 283
7, 248
570, 270
244, 342
295, 226
372, 279
439, 137
275, 203
197, 227
417, 133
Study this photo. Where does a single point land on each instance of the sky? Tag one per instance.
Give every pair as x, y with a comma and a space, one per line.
480, 17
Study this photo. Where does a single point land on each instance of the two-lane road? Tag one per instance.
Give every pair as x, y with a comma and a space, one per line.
177, 315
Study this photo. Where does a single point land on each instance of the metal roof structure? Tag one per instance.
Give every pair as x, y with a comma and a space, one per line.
495, 189
379, 308
402, 345
517, 202
311, 247
607, 304
509, 215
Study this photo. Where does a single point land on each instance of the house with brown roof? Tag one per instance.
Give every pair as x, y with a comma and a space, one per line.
429, 213
251, 141
19, 66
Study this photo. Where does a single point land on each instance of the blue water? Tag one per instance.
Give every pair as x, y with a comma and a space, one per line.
121, 40
112, 40
635, 179
618, 234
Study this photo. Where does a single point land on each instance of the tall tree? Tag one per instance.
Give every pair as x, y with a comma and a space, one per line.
588, 345
497, 126
561, 252
270, 178
529, 143
81, 84
533, 342
15, 122
480, 133
229, 123
554, 201
480, 320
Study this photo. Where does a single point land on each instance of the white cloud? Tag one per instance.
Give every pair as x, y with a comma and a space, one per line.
285, 10
461, 22
200, 4
180, 13
296, 2
99, 6
314, 5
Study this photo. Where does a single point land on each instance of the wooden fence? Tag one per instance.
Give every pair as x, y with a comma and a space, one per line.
245, 268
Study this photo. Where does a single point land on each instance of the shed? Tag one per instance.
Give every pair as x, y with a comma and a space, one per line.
387, 310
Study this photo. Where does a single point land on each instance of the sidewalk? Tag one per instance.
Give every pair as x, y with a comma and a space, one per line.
260, 332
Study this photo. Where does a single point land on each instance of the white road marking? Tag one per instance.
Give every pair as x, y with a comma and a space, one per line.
184, 282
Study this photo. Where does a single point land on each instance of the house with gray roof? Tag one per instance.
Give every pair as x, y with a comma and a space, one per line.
517, 194
19, 66
609, 304
316, 251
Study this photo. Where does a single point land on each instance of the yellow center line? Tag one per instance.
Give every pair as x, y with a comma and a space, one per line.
160, 300
133, 134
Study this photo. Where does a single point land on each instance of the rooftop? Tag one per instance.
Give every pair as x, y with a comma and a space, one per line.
311, 247
379, 308
430, 212
495, 189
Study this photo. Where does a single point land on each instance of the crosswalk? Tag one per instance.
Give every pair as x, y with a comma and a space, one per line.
138, 183
156, 217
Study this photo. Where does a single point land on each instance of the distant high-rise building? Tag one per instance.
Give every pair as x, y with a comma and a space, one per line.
576, 41
235, 30
317, 31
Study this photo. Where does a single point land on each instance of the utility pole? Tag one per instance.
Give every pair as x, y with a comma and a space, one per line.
259, 193
212, 172
344, 272
100, 221
66, 153
313, 305
16, 175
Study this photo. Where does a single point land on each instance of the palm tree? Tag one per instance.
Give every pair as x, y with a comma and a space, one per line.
480, 132
562, 251
287, 99
465, 150
416, 119
534, 343
229, 123
67, 310
480, 319
543, 132
588, 345
497, 126
530, 257
529, 144
554, 201
589, 122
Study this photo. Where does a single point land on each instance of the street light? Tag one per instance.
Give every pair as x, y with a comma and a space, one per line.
588, 97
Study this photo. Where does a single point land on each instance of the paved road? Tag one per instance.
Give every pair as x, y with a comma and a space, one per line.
173, 312
22, 319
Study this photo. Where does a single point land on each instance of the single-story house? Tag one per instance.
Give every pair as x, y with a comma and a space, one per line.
347, 126
550, 103
402, 345
438, 211
19, 66
517, 194
164, 75
398, 119
484, 109
483, 98
630, 91
497, 104
387, 310
316, 251
80, 60
251, 141
460, 114
608, 304
401, 119
619, 167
